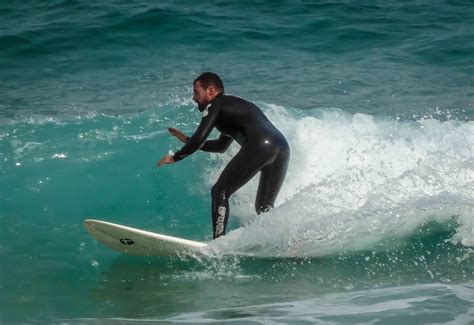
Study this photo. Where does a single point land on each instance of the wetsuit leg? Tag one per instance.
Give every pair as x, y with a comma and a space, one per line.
245, 165
271, 180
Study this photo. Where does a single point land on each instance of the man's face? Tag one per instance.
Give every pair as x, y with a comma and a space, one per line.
201, 95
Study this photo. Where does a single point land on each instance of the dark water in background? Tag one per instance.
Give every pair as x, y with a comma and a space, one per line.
375, 220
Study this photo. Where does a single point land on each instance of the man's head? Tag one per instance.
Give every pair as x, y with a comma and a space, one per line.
206, 87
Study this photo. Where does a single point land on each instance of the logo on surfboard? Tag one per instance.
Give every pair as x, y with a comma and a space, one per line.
127, 241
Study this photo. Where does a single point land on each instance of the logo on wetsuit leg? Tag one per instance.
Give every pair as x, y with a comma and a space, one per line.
220, 221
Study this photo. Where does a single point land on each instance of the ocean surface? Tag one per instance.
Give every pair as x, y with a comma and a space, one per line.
374, 224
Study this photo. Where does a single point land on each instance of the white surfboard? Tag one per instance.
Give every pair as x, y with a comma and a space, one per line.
134, 241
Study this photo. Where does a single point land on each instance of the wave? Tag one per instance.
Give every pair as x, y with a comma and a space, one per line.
360, 306
354, 181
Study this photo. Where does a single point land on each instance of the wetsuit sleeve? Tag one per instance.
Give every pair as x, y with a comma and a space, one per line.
197, 140
219, 145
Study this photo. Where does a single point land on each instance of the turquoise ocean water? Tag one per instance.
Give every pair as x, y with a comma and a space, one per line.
374, 225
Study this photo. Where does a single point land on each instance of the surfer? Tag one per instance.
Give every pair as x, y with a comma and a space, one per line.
263, 148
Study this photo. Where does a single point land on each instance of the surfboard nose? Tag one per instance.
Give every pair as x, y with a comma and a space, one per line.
89, 222
89, 225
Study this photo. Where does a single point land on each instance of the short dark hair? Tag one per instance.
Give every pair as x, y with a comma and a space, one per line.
210, 79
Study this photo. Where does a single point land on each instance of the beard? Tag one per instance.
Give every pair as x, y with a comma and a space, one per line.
201, 107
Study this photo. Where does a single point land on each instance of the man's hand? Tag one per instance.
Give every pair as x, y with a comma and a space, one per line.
178, 134
166, 160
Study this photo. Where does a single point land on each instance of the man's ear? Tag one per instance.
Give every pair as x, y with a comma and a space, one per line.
211, 90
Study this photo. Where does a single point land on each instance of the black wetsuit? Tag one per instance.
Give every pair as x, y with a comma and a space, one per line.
263, 149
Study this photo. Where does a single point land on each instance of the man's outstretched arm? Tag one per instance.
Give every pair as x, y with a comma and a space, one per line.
219, 145
197, 140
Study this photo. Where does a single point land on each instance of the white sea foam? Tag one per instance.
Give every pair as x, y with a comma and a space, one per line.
354, 180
